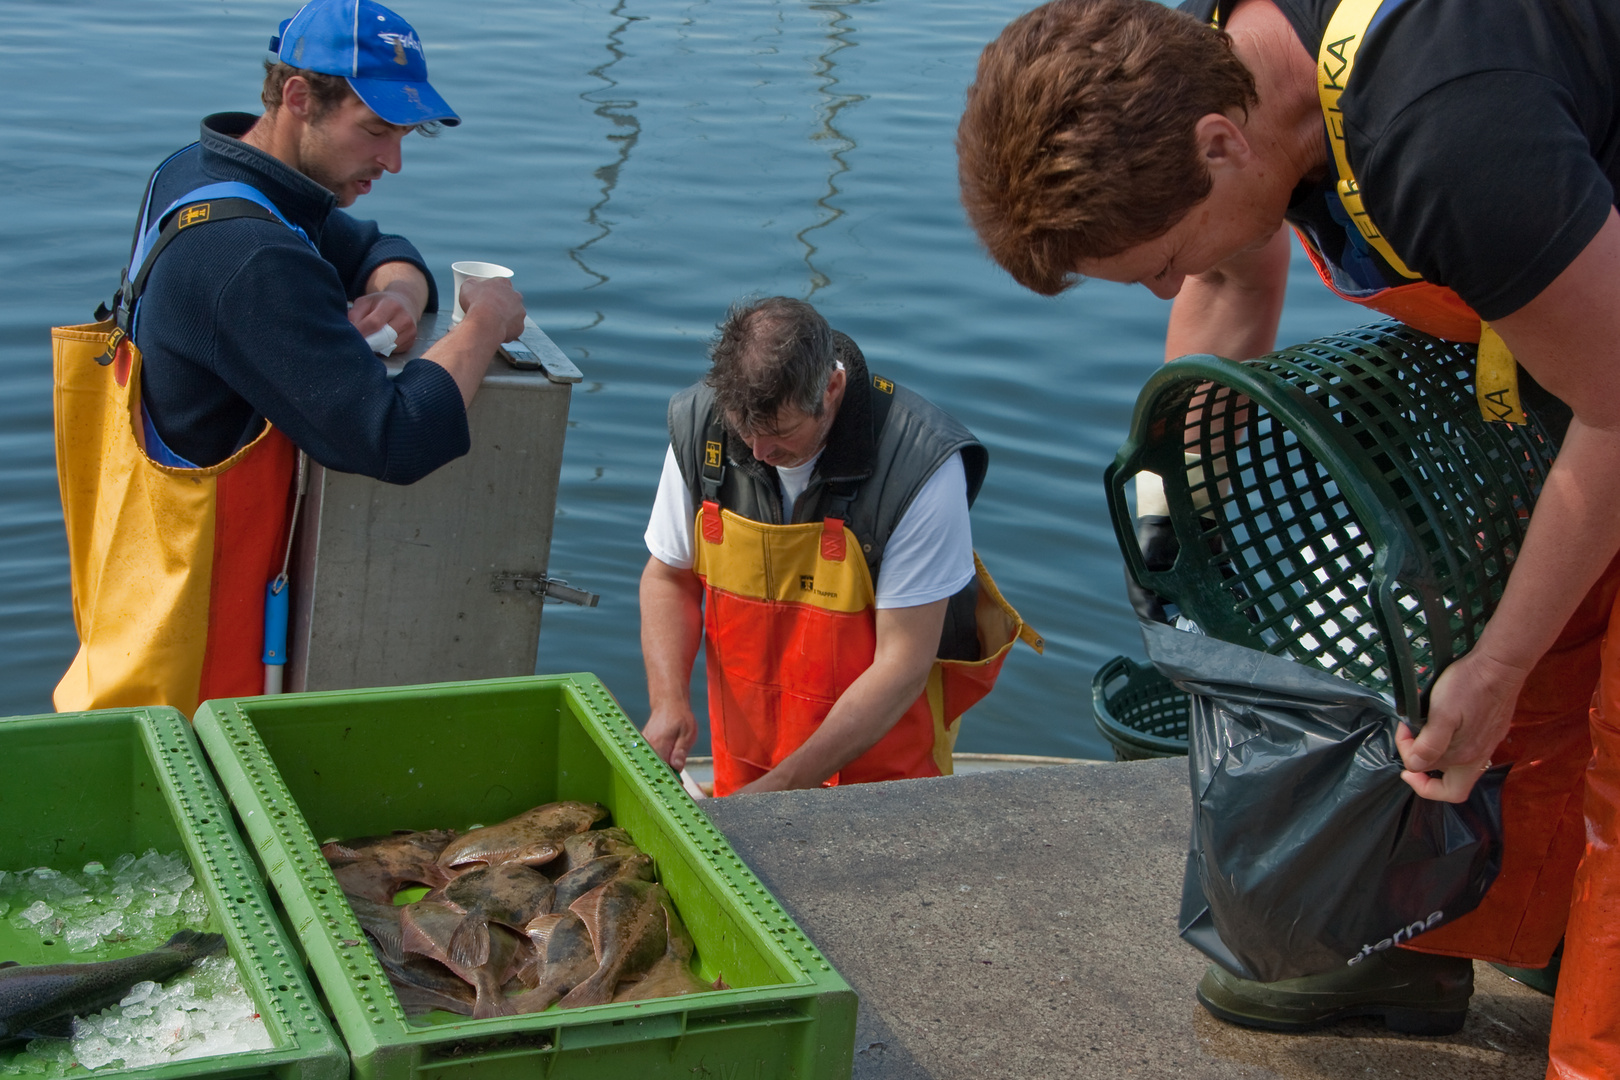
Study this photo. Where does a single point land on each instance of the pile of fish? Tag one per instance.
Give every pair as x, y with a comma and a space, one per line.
543, 908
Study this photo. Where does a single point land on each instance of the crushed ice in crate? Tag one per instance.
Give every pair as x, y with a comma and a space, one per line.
132, 903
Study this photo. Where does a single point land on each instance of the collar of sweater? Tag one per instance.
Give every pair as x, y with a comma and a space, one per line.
226, 157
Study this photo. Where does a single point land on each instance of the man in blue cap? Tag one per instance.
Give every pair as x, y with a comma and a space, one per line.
245, 342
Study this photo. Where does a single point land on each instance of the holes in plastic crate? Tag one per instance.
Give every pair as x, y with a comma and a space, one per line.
1282, 559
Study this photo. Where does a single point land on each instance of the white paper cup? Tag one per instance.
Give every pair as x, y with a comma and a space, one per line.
461, 271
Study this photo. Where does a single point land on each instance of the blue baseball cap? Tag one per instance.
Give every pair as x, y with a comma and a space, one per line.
374, 49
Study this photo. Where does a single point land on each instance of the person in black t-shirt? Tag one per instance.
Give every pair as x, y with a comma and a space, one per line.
1120, 139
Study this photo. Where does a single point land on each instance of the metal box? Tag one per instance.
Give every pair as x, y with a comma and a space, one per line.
439, 580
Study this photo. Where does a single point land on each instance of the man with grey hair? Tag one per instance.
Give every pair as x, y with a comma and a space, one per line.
811, 530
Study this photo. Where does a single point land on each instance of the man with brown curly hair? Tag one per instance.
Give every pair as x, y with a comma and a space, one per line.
1452, 163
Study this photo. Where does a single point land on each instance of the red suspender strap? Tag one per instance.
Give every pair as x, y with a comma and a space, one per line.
714, 529
832, 539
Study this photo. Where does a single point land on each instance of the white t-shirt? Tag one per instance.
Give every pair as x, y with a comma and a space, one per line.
929, 556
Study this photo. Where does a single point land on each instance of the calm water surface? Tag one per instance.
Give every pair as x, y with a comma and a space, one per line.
640, 165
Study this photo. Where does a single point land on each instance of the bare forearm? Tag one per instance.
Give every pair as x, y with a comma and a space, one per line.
1566, 338
866, 712
494, 314
466, 351
671, 631
1232, 311
1573, 534
404, 280
907, 641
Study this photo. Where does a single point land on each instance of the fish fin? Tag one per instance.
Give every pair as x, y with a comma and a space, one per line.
589, 910
720, 983
419, 1002
540, 928
539, 856
338, 850
532, 1001
413, 939
8, 963
469, 944
678, 940
57, 1027
195, 942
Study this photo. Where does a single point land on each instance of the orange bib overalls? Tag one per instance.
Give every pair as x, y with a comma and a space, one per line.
790, 622
168, 565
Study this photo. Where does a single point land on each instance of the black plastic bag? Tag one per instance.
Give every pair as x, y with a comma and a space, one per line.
1308, 849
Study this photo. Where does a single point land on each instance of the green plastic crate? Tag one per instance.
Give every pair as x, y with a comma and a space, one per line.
1141, 713
95, 785
302, 768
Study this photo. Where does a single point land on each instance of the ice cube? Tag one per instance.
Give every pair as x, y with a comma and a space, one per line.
94, 868
82, 938
37, 912
95, 1052
139, 992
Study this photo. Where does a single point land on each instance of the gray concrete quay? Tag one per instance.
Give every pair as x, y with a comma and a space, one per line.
1023, 925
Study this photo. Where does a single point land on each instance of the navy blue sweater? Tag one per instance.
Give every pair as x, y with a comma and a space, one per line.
242, 322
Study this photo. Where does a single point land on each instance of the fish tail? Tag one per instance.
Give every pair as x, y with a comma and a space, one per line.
195, 943
596, 990
469, 943
490, 1003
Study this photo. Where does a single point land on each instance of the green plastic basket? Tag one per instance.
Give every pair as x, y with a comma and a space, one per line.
96, 785
1346, 504
1140, 712
303, 768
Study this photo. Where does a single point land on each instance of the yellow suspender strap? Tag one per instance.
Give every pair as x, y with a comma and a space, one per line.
1496, 377
1334, 63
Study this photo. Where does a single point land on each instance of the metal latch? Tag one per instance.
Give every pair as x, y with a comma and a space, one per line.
550, 589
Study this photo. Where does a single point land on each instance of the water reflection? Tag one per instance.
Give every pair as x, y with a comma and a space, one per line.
840, 36
626, 130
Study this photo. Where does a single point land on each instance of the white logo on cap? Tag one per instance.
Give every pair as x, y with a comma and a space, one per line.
401, 42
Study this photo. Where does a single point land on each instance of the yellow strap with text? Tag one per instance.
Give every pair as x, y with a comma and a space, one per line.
1496, 379
1496, 376
1334, 63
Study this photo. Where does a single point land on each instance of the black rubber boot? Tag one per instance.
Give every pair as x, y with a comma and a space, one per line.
1415, 993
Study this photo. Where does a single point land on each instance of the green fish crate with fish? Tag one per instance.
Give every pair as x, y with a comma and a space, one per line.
310, 771
85, 794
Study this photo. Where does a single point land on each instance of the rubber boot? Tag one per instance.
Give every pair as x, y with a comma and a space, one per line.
1415, 993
